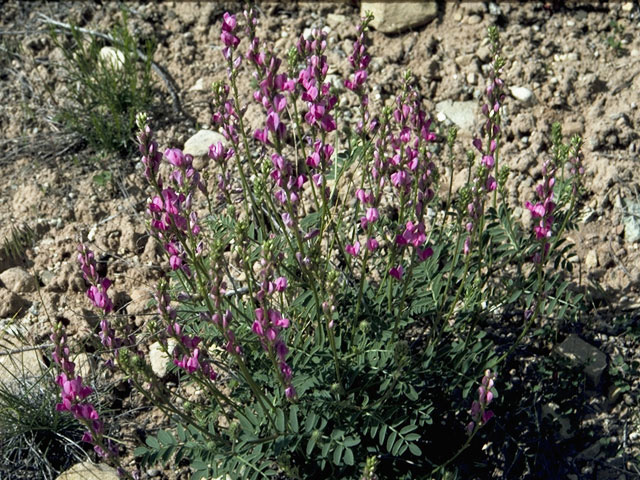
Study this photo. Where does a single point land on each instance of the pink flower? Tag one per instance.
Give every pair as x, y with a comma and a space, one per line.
280, 284
353, 250
488, 161
175, 157
372, 214
372, 244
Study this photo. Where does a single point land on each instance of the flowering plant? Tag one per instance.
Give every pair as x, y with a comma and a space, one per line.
330, 303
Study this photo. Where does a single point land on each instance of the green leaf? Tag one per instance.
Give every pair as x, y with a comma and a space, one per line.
153, 442
280, 423
337, 454
390, 441
348, 457
351, 441
310, 422
382, 434
414, 449
182, 434
408, 429
311, 443
165, 438
293, 419
139, 451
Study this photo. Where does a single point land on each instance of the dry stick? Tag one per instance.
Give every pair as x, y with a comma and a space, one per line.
26, 349
166, 78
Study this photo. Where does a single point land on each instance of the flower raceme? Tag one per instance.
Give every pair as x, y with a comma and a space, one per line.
479, 413
74, 394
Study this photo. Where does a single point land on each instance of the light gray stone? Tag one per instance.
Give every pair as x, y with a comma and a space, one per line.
18, 280
522, 94
89, 471
112, 57
159, 359
199, 86
198, 145
392, 17
580, 352
335, 19
631, 222
591, 260
463, 114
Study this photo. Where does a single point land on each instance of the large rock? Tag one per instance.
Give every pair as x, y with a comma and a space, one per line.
462, 114
89, 471
18, 280
580, 352
392, 17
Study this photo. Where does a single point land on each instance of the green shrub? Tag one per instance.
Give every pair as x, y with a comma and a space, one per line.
335, 310
105, 93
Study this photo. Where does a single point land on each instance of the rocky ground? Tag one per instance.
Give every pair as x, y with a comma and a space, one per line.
578, 64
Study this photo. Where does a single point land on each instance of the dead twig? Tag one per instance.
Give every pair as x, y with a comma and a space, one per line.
26, 349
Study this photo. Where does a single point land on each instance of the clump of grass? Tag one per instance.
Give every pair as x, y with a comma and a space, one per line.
105, 93
16, 243
36, 440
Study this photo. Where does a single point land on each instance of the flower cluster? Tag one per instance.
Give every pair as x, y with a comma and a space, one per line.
172, 219
269, 321
99, 297
74, 395
479, 413
484, 182
542, 210
272, 88
402, 160
359, 60
315, 91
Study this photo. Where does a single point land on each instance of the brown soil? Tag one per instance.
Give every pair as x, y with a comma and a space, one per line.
560, 53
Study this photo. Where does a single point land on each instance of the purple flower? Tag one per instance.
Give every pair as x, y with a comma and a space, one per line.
396, 272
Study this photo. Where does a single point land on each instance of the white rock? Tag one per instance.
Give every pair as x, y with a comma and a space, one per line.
198, 145
159, 359
627, 6
463, 114
591, 260
199, 86
392, 17
631, 222
89, 471
522, 93
112, 57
